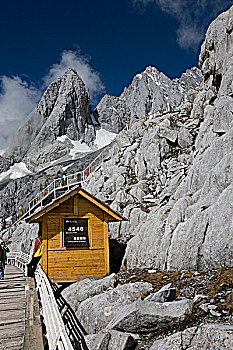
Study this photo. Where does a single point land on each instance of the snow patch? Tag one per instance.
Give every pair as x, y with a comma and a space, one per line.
103, 137
16, 171
66, 167
78, 146
62, 138
139, 76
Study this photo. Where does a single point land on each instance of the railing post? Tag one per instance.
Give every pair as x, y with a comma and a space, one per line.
26, 271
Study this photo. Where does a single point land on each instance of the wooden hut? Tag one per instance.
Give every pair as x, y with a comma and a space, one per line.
75, 236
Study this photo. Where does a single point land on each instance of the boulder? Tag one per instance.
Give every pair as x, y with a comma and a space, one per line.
148, 316
121, 341
81, 290
184, 137
112, 340
205, 337
164, 294
96, 312
97, 341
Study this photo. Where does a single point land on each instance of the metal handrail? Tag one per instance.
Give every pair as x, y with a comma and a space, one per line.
55, 328
79, 177
18, 259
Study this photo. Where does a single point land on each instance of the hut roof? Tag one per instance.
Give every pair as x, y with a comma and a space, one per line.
35, 217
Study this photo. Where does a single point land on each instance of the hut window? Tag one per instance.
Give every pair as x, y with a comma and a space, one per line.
76, 233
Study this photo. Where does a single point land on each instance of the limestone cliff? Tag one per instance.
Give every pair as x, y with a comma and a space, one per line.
173, 176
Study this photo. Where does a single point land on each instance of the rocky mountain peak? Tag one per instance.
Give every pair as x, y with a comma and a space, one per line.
63, 110
46, 104
70, 84
149, 90
190, 79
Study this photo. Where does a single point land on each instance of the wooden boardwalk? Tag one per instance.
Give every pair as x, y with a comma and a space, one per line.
17, 317
12, 309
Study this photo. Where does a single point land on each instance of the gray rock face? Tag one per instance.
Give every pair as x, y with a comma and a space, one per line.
79, 291
25, 136
62, 111
22, 238
144, 167
148, 91
148, 316
96, 312
204, 236
205, 337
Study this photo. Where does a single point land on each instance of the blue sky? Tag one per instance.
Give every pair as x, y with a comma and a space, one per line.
107, 41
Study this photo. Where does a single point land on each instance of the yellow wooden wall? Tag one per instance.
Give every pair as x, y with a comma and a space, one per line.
63, 264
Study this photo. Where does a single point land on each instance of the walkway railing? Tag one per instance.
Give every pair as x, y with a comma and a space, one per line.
54, 189
55, 328
18, 259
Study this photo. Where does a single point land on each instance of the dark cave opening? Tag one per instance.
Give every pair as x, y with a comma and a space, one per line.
116, 254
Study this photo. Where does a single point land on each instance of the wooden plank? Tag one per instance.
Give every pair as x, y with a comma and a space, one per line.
75, 278
65, 206
76, 250
76, 205
106, 241
76, 253
63, 274
101, 205
60, 214
11, 299
14, 343
77, 266
44, 260
90, 232
54, 242
87, 208
12, 309
63, 258
61, 232
33, 339
9, 306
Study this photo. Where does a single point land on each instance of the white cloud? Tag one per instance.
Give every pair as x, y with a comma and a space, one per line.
80, 63
140, 5
189, 36
193, 16
17, 99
